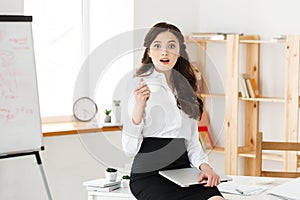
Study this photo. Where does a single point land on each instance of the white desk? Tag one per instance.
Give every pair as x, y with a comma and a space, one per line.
125, 194
119, 194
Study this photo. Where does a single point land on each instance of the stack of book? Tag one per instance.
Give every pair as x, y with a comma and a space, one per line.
207, 36
249, 87
102, 185
279, 38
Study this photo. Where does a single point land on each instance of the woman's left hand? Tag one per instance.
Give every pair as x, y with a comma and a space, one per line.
213, 179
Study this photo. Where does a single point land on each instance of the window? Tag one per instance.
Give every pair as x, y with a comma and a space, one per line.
58, 27
57, 43
120, 14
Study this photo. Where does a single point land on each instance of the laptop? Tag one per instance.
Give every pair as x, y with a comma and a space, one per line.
186, 177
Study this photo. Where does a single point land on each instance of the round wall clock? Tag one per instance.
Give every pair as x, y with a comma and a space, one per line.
84, 109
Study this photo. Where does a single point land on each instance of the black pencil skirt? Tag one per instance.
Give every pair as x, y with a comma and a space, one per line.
161, 154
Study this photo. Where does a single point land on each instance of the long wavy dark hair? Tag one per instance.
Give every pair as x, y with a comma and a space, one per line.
182, 75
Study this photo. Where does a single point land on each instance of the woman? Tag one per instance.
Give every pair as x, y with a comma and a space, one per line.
161, 129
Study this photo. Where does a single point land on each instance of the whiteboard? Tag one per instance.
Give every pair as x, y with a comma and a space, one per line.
20, 121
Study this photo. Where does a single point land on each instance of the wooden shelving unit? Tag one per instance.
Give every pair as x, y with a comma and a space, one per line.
290, 100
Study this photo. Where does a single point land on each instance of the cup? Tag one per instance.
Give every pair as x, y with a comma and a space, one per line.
154, 85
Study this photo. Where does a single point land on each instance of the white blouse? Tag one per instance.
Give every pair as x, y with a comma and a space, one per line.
163, 119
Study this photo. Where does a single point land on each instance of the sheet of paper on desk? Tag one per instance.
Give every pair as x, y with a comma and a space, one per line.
240, 189
289, 190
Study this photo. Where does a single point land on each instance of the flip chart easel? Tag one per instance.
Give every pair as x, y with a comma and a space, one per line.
20, 121
39, 162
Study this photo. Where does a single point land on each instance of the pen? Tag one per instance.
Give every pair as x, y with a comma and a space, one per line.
246, 193
239, 191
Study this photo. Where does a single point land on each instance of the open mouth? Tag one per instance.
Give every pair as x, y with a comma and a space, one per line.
164, 61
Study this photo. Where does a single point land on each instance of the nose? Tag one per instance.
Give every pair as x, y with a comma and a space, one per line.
164, 51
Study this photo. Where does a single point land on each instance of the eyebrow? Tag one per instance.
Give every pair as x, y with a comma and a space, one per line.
172, 41
157, 41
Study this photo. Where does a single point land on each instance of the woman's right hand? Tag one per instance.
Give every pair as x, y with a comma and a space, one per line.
141, 95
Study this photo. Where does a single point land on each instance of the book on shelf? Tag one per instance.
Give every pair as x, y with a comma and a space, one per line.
103, 189
243, 85
249, 87
205, 136
101, 183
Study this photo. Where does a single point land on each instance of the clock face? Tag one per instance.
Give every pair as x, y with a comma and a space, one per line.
84, 109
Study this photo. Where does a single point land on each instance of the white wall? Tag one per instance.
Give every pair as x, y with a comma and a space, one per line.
266, 18
184, 14
11, 6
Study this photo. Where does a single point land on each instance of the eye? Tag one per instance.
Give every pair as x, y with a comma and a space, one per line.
157, 46
172, 46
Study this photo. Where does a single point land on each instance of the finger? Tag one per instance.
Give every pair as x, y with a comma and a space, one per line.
209, 182
142, 88
147, 97
145, 88
139, 87
201, 177
217, 181
142, 95
214, 182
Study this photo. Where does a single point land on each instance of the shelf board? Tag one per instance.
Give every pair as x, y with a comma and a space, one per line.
244, 39
212, 95
262, 41
203, 40
261, 99
195, 40
207, 37
265, 99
